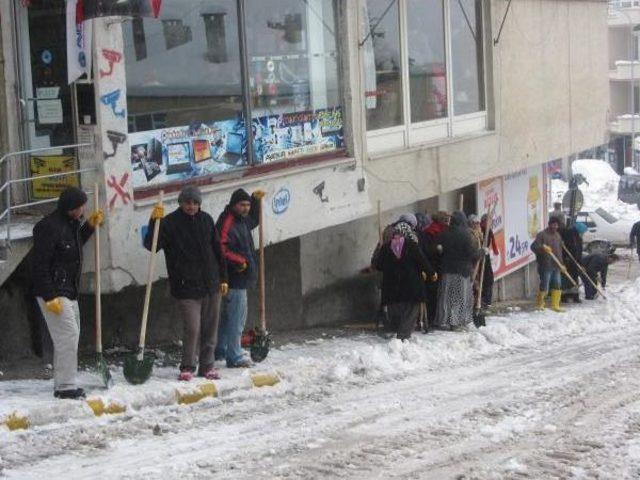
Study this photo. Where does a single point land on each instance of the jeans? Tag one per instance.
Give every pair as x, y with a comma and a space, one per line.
65, 333
232, 320
200, 318
550, 280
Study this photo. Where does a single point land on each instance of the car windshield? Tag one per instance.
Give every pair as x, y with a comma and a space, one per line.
606, 215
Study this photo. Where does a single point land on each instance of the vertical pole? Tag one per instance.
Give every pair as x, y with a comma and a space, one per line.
261, 272
98, 286
380, 222
8, 201
633, 103
246, 87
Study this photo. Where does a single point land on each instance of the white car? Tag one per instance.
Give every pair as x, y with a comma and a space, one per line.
603, 227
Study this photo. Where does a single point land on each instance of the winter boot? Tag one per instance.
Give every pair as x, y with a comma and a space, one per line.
210, 374
540, 300
73, 394
555, 301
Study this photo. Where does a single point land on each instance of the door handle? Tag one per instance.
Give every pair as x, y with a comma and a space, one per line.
592, 230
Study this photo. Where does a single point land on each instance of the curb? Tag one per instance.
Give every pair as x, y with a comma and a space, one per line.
98, 407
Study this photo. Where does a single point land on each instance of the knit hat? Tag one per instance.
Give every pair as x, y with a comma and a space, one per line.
190, 193
458, 219
71, 198
581, 227
409, 218
238, 196
424, 220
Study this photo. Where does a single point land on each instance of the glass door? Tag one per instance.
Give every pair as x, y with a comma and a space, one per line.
45, 95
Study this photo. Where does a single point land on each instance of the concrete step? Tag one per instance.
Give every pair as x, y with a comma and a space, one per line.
13, 252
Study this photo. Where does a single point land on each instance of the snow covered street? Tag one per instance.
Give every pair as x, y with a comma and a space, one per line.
533, 395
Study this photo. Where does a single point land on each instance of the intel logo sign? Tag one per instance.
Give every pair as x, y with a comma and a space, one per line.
281, 201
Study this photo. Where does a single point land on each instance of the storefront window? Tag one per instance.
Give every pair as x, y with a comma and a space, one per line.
184, 92
467, 56
293, 75
427, 64
383, 65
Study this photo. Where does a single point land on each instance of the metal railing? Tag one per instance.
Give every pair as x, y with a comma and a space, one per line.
5, 189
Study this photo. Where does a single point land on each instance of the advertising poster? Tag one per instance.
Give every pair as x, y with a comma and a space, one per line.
50, 165
520, 200
179, 153
292, 135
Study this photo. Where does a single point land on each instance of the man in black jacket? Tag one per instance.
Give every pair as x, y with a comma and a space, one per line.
57, 265
197, 277
634, 238
596, 265
235, 224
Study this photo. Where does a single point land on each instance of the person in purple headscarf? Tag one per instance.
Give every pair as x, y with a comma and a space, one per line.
404, 270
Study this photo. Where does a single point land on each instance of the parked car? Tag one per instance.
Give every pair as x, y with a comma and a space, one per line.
605, 231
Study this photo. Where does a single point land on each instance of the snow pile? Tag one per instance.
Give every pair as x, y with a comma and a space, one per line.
368, 359
602, 190
318, 367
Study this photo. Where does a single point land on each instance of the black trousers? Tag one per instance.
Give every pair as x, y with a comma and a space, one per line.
431, 298
487, 282
405, 315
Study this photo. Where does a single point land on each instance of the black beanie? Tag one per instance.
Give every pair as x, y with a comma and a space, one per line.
190, 193
240, 195
71, 198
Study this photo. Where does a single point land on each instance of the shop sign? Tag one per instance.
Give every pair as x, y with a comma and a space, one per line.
292, 135
50, 165
520, 206
180, 153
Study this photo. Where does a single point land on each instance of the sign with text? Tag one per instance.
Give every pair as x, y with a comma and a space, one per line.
49, 165
519, 215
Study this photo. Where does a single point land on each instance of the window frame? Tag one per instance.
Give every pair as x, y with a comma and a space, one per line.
253, 167
409, 135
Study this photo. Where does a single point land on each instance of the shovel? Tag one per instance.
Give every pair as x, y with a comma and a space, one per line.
262, 338
479, 317
584, 272
138, 367
101, 366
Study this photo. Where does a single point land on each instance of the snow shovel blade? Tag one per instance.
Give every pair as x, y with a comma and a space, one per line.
103, 370
260, 346
479, 319
136, 370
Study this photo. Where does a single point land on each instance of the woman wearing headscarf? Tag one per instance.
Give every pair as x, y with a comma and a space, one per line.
459, 252
404, 271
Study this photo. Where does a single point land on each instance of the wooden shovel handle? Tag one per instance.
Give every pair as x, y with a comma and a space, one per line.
147, 293
261, 271
98, 286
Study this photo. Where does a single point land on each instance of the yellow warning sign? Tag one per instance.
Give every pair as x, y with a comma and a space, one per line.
51, 165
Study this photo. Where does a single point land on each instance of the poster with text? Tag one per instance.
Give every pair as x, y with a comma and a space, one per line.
180, 153
293, 135
520, 200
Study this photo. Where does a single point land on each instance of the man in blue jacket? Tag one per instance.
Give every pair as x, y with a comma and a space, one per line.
235, 224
